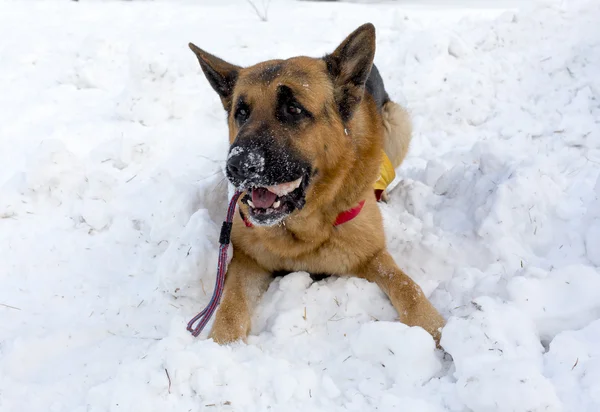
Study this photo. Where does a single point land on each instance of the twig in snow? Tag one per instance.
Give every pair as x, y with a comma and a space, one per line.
169, 378
10, 307
331, 319
227, 403
576, 362
263, 14
589, 160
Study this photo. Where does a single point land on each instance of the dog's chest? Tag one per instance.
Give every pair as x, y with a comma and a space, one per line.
324, 260
336, 255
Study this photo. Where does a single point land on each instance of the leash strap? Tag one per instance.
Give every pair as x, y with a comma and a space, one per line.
224, 240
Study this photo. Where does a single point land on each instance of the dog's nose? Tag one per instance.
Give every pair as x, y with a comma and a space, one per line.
243, 165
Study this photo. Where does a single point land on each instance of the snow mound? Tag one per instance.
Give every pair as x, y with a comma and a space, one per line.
112, 193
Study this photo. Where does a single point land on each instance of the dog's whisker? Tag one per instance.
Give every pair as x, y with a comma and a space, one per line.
221, 161
208, 176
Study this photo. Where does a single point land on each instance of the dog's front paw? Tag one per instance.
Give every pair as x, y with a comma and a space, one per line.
224, 336
229, 328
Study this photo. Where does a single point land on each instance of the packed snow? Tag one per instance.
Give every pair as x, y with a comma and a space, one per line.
112, 194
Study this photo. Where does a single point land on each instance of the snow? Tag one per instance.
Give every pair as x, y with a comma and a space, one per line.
112, 193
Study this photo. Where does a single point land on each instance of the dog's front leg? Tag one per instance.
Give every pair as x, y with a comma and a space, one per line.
244, 284
414, 309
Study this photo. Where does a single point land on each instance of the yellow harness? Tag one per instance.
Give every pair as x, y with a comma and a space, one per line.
387, 174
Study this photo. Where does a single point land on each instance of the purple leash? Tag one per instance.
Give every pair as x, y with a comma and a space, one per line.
224, 239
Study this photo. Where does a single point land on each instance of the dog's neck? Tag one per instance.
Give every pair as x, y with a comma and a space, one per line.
342, 185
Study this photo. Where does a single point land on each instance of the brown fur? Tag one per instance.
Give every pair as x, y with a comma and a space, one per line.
344, 142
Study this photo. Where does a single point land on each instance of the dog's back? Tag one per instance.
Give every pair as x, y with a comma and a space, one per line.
396, 121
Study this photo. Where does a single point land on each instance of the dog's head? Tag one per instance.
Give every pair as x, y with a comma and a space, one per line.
287, 121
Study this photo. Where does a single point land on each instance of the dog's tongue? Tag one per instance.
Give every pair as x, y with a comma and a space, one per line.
262, 198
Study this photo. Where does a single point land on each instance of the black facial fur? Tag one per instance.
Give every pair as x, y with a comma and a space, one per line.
288, 110
268, 74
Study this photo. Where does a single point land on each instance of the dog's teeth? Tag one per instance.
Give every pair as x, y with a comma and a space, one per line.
297, 183
285, 188
276, 204
251, 204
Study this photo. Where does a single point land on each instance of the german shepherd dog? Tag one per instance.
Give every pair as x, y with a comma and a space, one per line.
307, 140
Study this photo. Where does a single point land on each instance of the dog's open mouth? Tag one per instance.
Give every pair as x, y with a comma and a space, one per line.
269, 205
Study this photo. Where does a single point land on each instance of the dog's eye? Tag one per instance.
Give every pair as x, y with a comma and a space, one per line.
242, 114
294, 110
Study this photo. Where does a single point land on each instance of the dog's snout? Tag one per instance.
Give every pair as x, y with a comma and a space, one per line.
243, 165
235, 167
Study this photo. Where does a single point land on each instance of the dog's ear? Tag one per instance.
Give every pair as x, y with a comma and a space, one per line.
349, 66
220, 74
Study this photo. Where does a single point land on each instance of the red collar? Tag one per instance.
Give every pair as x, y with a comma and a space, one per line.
343, 217
349, 214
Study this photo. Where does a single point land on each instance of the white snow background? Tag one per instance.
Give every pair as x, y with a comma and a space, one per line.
111, 197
